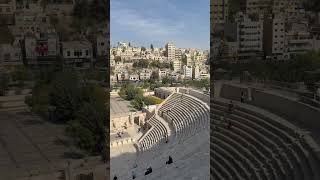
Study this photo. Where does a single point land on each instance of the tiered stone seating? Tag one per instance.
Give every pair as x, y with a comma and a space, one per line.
188, 145
258, 147
157, 134
187, 114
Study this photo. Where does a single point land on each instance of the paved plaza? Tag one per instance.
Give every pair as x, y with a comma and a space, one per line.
28, 144
119, 106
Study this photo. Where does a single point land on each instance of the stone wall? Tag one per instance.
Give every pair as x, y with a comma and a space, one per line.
293, 111
232, 92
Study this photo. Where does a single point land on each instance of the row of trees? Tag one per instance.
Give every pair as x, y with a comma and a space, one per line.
289, 71
134, 94
144, 63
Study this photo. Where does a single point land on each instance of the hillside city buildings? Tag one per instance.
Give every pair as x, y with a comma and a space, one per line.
30, 36
262, 29
184, 63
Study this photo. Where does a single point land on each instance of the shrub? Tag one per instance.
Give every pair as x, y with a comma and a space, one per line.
152, 100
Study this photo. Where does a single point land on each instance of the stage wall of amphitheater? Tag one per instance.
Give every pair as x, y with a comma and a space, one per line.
293, 111
164, 93
199, 95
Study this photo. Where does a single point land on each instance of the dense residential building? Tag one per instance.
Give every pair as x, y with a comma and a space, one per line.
250, 36
42, 48
274, 38
298, 39
145, 74
169, 62
187, 72
10, 54
77, 53
101, 45
220, 11
177, 65
257, 6
178, 54
7, 12
171, 51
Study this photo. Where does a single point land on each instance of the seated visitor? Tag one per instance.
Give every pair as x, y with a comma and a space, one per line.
242, 97
133, 175
149, 171
170, 161
230, 107
115, 178
229, 124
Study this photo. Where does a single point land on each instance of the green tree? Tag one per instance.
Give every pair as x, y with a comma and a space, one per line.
4, 83
151, 47
142, 63
143, 48
65, 95
138, 102
129, 92
154, 76
167, 80
88, 128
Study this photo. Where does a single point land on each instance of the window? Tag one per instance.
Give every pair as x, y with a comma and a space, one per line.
87, 52
102, 44
8, 9
75, 53
0, 9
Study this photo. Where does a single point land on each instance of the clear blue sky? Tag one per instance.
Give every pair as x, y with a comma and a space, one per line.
186, 23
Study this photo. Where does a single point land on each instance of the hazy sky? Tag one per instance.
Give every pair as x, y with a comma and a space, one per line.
186, 23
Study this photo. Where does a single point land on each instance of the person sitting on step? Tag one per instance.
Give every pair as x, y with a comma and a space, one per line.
149, 171
170, 161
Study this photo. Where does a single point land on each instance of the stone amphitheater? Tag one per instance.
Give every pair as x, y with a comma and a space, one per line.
272, 136
178, 127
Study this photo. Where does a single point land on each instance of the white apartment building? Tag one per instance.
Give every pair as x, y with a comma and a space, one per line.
123, 76
112, 61
249, 36
177, 65
274, 38
219, 11
134, 77
77, 53
298, 39
196, 72
178, 54
162, 73
145, 74
187, 72
171, 51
